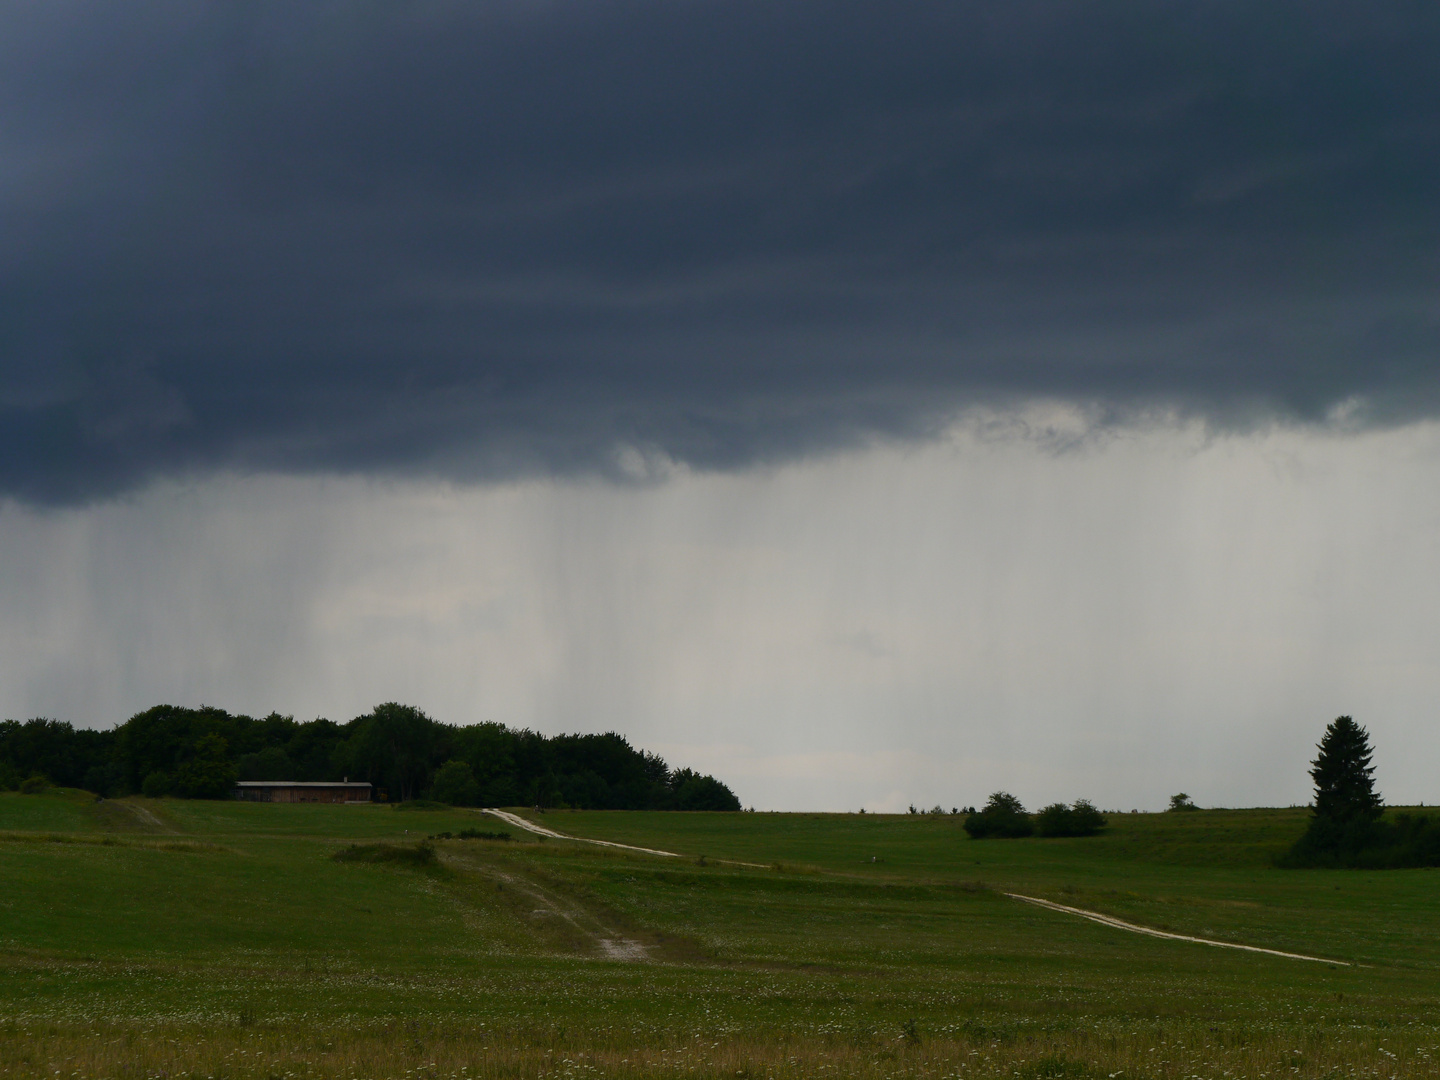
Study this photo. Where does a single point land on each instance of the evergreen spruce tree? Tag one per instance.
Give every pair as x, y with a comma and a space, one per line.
1344, 778
1343, 823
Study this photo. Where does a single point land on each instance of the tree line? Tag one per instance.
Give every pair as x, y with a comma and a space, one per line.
405, 754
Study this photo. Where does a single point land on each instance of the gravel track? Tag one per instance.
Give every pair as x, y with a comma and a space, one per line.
1134, 928
521, 823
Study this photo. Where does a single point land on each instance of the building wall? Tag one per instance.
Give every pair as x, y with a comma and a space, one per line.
302, 794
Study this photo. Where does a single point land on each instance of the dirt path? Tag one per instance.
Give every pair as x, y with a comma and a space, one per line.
521, 823
147, 817
1134, 928
1094, 916
128, 816
546, 904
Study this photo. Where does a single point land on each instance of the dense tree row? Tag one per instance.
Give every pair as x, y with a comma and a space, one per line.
200, 753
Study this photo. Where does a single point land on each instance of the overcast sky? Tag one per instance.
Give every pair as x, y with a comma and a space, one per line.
873, 403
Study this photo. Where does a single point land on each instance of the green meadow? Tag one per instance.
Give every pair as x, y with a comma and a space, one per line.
174, 938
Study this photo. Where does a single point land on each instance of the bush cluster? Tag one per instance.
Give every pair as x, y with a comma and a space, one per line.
1003, 816
1079, 819
1405, 840
421, 854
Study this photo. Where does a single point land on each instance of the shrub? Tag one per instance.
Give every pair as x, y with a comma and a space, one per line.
1180, 803
1087, 818
1003, 817
470, 834
1081, 819
418, 855
1407, 840
35, 785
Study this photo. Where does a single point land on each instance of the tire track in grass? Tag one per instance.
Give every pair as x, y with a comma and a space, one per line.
1135, 928
608, 942
524, 823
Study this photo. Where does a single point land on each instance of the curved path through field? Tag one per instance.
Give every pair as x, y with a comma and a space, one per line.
521, 823
1135, 928
1094, 916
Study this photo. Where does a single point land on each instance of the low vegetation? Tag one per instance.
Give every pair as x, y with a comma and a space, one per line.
473, 834
1003, 817
421, 854
1078, 819
323, 942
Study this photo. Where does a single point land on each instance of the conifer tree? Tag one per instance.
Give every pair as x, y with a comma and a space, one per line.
1344, 778
1344, 823
1346, 826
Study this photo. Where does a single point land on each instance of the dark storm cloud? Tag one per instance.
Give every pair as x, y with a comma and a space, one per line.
491, 239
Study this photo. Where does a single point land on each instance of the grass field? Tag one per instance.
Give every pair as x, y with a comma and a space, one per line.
174, 938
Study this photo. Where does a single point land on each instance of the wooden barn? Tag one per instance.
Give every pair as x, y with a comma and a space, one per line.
302, 791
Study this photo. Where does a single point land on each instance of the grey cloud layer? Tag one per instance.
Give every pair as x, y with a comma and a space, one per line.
477, 240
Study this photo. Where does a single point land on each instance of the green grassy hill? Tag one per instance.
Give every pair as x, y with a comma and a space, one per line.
170, 937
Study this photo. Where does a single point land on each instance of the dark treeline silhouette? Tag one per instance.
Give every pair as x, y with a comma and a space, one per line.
1348, 826
1003, 817
200, 753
